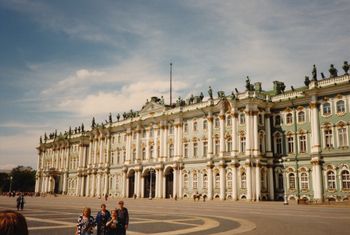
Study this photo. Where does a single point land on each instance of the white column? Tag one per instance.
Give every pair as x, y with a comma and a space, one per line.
143, 186
138, 144
147, 144
161, 141
95, 151
155, 146
234, 182
175, 183
180, 183
255, 134
106, 186
124, 184
101, 151
108, 150
89, 161
179, 140
175, 141
98, 193
138, 191
128, 146
161, 180
210, 182
249, 181
318, 194
258, 182
234, 135
210, 135
222, 182
93, 185
87, 189
157, 184
82, 186
222, 133
315, 126
248, 132
271, 185
268, 134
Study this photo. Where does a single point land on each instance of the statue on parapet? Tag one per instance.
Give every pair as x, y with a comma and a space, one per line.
161, 100
118, 117
210, 93
346, 67
248, 85
191, 99
307, 81
110, 118
70, 131
314, 73
233, 96
93, 123
333, 71
221, 94
201, 96
41, 140
124, 115
45, 137
82, 128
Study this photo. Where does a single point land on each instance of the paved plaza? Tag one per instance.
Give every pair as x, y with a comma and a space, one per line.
57, 216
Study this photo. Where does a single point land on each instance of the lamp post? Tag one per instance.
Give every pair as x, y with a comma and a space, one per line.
10, 189
151, 171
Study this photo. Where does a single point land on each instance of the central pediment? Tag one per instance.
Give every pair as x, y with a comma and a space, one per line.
156, 105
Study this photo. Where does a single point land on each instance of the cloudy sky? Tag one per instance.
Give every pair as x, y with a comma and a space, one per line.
63, 62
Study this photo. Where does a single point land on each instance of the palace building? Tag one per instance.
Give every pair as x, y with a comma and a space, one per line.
249, 145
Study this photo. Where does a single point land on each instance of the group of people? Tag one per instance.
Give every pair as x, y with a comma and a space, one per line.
115, 222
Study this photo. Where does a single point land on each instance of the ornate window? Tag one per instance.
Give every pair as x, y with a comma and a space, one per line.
291, 181
302, 143
301, 116
242, 118
143, 153
229, 145
171, 150
195, 126
185, 181
185, 150
217, 122
217, 147
217, 180
205, 181
345, 179
328, 138
195, 181
277, 120
205, 148
289, 118
330, 180
342, 137
290, 141
229, 180
242, 144
151, 151
195, 150
134, 154
205, 124
278, 142
243, 180
304, 181
340, 106
326, 108
228, 121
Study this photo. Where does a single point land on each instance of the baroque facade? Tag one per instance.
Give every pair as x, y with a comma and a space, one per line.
251, 145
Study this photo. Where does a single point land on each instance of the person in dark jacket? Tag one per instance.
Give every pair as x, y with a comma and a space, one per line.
20, 202
123, 219
102, 217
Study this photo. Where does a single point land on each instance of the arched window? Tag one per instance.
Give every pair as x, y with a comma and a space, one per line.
243, 180
195, 150
289, 118
205, 181
205, 124
229, 180
345, 179
229, 145
171, 150
304, 181
290, 140
326, 108
301, 116
331, 180
151, 151
134, 154
340, 106
242, 144
277, 120
185, 181
195, 181
217, 180
205, 149
342, 137
291, 181
217, 146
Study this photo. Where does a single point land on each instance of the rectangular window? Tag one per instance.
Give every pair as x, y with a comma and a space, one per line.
302, 143
342, 137
205, 149
328, 138
290, 144
229, 146
242, 144
195, 150
217, 147
242, 118
185, 150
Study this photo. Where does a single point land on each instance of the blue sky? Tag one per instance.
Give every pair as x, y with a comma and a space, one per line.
62, 62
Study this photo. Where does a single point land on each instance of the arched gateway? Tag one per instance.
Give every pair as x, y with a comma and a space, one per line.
149, 187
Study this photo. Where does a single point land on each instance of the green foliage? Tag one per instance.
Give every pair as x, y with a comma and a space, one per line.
4, 182
23, 179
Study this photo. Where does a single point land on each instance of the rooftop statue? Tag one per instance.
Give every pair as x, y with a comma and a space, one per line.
70, 131
314, 73
45, 137
110, 118
346, 67
278, 87
41, 140
118, 117
82, 127
210, 93
201, 96
333, 71
221, 94
322, 76
191, 99
75, 130
78, 129
291, 87
236, 90
307, 81
161, 100
233, 97
124, 115
93, 123
248, 85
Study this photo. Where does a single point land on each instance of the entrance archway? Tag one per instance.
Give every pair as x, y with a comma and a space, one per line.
131, 186
169, 183
149, 183
56, 188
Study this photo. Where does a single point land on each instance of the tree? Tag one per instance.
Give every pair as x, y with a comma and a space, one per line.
23, 179
4, 182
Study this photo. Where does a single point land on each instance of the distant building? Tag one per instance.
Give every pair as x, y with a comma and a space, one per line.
251, 145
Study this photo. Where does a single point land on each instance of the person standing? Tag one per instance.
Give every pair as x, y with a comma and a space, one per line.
86, 223
20, 202
102, 217
12, 223
123, 219
112, 224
